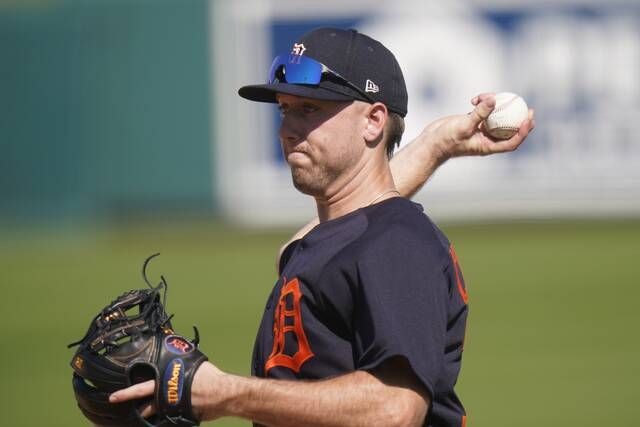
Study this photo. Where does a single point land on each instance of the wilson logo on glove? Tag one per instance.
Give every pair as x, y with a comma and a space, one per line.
178, 345
173, 379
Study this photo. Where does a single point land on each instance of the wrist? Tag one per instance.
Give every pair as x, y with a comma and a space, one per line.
435, 146
211, 391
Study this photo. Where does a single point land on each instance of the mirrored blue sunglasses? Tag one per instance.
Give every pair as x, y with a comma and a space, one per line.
297, 69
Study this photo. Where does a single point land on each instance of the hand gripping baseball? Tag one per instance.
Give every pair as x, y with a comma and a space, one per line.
464, 135
131, 340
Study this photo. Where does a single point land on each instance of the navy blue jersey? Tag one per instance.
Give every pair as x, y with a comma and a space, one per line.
377, 283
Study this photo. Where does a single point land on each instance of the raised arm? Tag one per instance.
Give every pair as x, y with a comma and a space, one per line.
452, 136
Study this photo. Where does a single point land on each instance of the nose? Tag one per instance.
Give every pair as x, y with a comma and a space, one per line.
290, 131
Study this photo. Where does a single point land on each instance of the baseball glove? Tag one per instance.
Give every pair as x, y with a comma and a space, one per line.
131, 340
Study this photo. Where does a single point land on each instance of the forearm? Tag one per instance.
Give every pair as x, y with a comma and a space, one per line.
355, 399
412, 166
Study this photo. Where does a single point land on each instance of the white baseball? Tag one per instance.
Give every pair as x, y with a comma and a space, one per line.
506, 118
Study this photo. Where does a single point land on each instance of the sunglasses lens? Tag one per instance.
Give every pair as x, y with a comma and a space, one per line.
295, 69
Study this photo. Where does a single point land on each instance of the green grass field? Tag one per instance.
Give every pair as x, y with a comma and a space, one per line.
552, 337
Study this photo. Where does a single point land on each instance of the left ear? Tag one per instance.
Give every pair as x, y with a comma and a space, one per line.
376, 119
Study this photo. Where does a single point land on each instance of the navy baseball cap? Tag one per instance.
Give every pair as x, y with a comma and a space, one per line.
335, 65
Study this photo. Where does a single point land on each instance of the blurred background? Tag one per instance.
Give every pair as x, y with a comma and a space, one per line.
122, 135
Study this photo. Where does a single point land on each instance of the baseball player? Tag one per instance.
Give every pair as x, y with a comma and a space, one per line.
365, 325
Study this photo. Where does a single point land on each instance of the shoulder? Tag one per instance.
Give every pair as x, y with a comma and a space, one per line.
285, 254
400, 218
402, 223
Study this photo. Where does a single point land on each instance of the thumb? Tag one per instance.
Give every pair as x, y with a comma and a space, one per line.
481, 112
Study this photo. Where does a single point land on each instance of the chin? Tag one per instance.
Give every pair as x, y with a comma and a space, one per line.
305, 183
303, 187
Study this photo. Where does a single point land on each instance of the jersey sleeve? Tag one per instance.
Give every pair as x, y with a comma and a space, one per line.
401, 306
286, 255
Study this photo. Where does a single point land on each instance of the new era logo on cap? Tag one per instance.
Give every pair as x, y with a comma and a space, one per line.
371, 87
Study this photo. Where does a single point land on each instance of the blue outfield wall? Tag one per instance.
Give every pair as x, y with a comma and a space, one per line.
105, 108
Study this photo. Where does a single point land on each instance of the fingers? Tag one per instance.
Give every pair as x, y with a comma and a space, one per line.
136, 391
476, 99
514, 142
147, 410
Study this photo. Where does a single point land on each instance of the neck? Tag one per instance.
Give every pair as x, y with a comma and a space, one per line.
370, 184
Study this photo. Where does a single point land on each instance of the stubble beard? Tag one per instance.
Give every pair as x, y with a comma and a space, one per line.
318, 178
311, 182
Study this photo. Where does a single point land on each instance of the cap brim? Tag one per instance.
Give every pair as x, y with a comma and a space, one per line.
267, 92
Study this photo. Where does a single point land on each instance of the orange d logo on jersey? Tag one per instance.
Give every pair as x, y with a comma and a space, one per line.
288, 320
459, 280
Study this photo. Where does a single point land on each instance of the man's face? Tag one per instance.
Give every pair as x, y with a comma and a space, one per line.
322, 141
